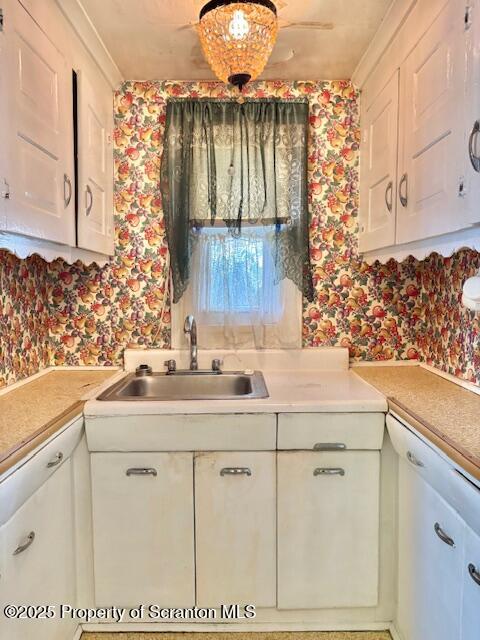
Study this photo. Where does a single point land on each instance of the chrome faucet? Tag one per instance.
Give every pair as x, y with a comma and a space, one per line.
190, 329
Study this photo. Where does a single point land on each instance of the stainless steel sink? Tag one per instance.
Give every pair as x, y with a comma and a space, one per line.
189, 385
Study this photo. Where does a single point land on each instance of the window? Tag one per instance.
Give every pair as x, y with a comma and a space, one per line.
236, 277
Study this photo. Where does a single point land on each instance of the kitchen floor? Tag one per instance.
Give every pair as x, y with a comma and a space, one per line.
334, 635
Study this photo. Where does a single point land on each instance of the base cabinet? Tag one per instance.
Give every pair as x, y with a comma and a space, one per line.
431, 548
235, 518
37, 563
143, 529
471, 588
328, 529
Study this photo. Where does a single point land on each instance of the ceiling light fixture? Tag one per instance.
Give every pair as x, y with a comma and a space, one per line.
237, 38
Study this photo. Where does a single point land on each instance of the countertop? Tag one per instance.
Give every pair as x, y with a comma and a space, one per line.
444, 412
289, 391
32, 412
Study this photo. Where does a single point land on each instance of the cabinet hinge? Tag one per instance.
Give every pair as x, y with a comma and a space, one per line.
468, 17
2, 20
461, 188
5, 192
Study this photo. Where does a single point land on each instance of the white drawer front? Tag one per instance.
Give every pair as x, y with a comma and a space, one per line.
16, 488
206, 432
422, 458
330, 431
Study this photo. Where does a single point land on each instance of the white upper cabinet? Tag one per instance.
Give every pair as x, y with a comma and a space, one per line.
39, 133
95, 166
379, 169
472, 183
432, 154
434, 112
42, 209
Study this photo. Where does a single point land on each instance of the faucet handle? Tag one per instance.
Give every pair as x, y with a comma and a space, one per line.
217, 364
171, 366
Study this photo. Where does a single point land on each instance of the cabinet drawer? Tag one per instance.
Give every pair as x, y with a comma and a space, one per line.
16, 488
422, 458
322, 431
196, 432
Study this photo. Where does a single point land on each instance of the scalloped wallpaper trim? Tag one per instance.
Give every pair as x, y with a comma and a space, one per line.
62, 314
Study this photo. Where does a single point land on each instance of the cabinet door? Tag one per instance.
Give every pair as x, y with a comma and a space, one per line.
235, 528
4, 193
39, 559
378, 203
430, 567
432, 131
471, 588
143, 528
472, 142
328, 529
95, 166
40, 133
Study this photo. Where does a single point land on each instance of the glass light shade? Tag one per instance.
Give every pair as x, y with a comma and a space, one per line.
237, 38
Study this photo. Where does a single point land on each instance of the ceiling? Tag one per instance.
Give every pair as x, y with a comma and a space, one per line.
155, 39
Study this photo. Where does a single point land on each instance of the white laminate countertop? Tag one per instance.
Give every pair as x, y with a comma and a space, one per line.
290, 391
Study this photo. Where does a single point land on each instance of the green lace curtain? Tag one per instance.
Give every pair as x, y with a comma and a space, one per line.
235, 165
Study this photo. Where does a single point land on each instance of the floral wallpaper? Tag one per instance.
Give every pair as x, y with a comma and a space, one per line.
450, 339
87, 315
24, 341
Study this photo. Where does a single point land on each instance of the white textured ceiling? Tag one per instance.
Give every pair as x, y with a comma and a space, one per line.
153, 39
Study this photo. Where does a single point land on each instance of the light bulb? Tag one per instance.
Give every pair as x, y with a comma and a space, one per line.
238, 26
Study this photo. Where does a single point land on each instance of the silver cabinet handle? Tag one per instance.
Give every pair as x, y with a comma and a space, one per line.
474, 574
141, 471
26, 544
389, 196
403, 198
474, 159
56, 460
329, 446
67, 195
443, 536
236, 471
88, 200
329, 471
411, 457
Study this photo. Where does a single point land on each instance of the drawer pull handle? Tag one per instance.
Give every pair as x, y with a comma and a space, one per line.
443, 536
474, 159
474, 574
88, 200
67, 195
329, 471
141, 471
235, 471
21, 548
389, 196
403, 195
329, 446
56, 460
411, 457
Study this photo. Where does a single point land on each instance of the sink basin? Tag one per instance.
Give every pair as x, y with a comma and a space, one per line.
187, 385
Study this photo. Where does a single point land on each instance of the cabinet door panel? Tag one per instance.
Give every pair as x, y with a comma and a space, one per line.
473, 115
432, 131
430, 571
40, 136
143, 529
95, 156
235, 528
379, 170
471, 588
328, 529
43, 573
